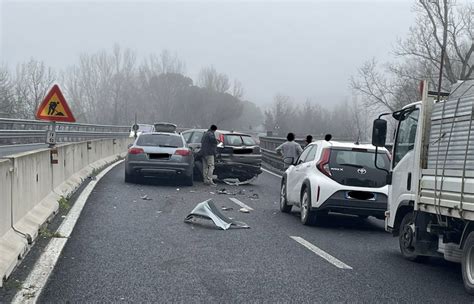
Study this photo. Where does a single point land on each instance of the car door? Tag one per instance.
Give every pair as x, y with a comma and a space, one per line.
403, 182
296, 176
194, 141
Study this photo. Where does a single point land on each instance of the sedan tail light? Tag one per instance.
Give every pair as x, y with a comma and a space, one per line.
183, 152
135, 151
323, 163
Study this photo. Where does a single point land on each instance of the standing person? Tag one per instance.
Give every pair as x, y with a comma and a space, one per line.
208, 152
327, 137
309, 139
290, 150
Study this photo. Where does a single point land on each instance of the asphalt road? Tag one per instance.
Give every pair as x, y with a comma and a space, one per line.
14, 149
125, 249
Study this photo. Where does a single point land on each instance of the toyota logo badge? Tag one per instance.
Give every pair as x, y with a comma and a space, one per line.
361, 171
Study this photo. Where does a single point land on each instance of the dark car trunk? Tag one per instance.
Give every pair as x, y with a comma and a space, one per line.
356, 167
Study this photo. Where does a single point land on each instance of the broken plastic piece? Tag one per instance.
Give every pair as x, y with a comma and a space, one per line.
244, 210
145, 198
222, 191
254, 196
208, 210
237, 182
227, 208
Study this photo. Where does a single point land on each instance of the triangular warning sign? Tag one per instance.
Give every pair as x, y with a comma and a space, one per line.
54, 107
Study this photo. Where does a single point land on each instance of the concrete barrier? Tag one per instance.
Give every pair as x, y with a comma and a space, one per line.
30, 188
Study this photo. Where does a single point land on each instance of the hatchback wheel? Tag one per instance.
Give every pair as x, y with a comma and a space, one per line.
284, 207
308, 217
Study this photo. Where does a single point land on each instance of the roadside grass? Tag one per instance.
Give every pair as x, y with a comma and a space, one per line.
46, 233
64, 203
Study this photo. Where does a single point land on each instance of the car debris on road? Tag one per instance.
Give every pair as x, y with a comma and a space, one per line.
254, 196
207, 210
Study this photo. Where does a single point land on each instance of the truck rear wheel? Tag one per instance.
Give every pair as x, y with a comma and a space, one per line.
467, 264
406, 239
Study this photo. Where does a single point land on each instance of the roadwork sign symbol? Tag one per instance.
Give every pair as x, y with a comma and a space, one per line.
54, 107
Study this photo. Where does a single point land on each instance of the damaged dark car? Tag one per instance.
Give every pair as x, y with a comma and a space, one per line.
238, 154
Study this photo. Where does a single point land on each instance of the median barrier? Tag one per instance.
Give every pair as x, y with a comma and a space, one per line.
31, 186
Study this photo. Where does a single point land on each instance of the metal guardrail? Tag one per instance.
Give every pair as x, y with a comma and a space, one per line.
19, 131
269, 144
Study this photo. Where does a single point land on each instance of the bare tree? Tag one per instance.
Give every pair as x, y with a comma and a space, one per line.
32, 81
237, 89
209, 78
435, 19
420, 56
7, 106
170, 63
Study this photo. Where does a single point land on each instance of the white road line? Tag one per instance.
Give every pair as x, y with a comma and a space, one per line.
270, 172
36, 280
240, 203
321, 253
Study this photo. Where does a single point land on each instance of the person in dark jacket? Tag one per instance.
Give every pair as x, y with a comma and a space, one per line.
208, 152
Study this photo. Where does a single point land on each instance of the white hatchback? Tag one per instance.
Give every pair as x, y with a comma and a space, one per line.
336, 177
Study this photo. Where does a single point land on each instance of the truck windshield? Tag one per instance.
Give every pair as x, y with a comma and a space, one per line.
406, 135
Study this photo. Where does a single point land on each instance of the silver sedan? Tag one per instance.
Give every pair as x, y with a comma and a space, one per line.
162, 154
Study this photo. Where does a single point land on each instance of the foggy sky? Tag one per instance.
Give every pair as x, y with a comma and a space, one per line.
301, 49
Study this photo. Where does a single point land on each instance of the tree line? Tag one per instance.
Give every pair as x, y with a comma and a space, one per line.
343, 120
112, 87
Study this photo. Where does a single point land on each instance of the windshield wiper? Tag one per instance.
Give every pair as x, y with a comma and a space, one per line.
351, 165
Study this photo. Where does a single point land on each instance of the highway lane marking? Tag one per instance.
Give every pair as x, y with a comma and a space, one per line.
240, 203
270, 172
38, 277
321, 253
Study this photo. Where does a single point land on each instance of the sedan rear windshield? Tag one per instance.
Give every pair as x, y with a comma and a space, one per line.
160, 140
144, 128
359, 159
239, 140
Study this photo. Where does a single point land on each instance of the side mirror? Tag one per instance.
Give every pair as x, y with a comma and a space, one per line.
129, 146
379, 132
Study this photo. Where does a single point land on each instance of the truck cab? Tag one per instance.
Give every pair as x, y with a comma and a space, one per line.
430, 205
404, 171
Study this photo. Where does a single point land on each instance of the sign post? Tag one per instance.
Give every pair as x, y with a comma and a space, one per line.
54, 108
51, 135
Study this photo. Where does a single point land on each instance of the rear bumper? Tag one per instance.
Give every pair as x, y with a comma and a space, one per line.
158, 168
230, 169
339, 202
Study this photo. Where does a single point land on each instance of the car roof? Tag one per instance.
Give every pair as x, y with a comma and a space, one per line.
161, 133
341, 144
225, 132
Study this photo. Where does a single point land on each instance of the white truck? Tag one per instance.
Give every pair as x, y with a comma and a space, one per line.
431, 180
